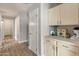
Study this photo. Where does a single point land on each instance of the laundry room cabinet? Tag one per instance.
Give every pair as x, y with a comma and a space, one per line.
57, 46
64, 14
65, 49
69, 14
54, 16
50, 47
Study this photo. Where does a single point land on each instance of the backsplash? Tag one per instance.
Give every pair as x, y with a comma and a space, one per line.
68, 27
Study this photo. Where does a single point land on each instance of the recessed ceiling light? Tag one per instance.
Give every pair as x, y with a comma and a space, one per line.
2, 22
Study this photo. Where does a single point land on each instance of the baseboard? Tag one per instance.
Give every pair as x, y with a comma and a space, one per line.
29, 47
32, 51
22, 41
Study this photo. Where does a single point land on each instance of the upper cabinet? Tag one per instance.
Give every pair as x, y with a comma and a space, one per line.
54, 16
64, 14
69, 14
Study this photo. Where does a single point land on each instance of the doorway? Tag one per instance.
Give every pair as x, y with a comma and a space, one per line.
8, 32
8, 28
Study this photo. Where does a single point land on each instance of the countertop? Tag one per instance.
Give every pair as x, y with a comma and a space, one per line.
68, 40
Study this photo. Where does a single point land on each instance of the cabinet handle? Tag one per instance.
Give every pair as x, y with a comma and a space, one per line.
65, 46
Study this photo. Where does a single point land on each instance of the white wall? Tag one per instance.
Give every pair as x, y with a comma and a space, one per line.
8, 26
17, 28
44, 24
23, 27
1, 29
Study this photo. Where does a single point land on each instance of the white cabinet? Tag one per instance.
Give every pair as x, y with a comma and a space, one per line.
69, 14
65, 49
56, 47
50, 47
54, 16
64, 14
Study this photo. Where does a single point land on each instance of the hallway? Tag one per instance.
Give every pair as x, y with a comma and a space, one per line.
10, 47
21, 21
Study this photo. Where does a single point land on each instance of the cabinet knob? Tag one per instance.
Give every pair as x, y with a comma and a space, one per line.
65, 46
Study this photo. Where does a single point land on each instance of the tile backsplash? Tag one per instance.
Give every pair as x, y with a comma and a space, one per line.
68, 27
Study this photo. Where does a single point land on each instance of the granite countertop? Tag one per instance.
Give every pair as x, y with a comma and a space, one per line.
68, 40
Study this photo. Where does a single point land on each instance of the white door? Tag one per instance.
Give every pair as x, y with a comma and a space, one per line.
17, 28
33, 30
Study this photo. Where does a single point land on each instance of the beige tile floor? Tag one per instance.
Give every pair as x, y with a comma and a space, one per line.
11, 48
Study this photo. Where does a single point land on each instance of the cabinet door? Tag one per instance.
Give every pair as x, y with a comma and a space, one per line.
64, 52
69, 14
54, 16
50, 48
65, 49
50, 17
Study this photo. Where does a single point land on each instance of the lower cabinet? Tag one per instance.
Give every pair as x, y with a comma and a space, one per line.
50, 47
65, 49
60, 48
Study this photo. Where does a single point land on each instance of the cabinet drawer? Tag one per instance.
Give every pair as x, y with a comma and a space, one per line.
67, 46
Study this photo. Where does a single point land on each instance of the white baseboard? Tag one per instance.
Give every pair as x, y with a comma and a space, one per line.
29, 47
31, 50
22, 41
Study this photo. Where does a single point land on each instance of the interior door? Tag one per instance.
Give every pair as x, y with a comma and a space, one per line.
33, 30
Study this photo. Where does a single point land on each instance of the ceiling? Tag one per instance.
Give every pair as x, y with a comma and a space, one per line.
51, 5
13, 9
